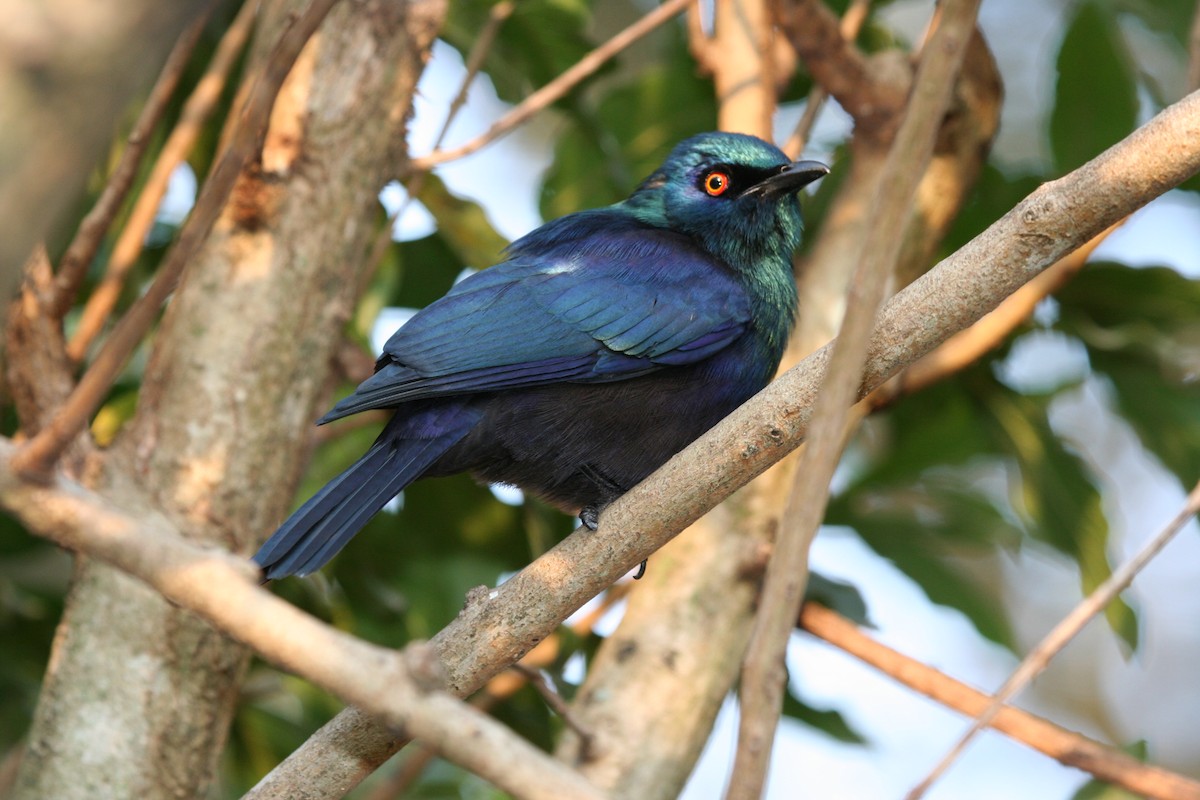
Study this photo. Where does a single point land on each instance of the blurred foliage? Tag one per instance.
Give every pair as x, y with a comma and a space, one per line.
944, 485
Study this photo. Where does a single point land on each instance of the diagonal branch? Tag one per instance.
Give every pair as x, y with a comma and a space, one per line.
498, 627
1037, 660
557, 88
39, 455
1065, 746
73, 266
129, 244
849, 26
225, 591
870, 93
763, 671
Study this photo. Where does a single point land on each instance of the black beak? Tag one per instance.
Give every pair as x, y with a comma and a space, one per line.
790, 179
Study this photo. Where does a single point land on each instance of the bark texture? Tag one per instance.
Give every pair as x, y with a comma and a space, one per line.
139, 693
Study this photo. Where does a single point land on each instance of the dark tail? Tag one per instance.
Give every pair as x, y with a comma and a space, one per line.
408, 445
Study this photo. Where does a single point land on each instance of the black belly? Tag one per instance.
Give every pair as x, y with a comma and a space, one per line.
576, 445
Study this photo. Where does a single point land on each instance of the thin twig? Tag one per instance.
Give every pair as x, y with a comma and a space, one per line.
558, 87
763, 674
133, 237
537, 679
73, 266
849, 26
1037, 660
38, 456
475, 58
1065, 746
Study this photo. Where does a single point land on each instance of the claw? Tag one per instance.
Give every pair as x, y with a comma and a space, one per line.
590, 517
637, 576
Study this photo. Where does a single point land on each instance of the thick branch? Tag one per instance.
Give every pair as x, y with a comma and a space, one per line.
871, 91
224, 591
496, 628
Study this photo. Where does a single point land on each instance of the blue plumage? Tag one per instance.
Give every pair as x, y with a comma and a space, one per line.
604, 343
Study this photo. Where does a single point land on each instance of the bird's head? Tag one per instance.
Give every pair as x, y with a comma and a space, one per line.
734, 193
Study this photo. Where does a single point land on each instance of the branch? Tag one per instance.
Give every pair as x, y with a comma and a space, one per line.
73, 266
849, 26
66, 79
497, 627
1067, 747
557, 88
968, 346
871, 91
763, 672
129, 244
39, 455
1037, 660
224, 590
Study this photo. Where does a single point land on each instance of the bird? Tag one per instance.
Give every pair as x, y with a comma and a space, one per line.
602, 344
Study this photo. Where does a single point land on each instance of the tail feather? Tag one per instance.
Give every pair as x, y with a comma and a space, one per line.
321, 527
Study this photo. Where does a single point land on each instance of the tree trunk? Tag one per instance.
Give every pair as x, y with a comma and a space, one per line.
139, 694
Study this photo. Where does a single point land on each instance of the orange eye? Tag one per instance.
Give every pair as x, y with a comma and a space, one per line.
715, 183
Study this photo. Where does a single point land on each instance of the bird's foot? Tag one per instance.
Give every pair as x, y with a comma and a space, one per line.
641, 570
590, 517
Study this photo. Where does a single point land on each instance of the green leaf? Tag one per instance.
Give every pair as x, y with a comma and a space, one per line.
1143, 333
463, 225
1056, 496
1096, 95
838, 596
827, 721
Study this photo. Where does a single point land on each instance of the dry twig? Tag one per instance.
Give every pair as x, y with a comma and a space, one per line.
1037, 660
38, 456
133, 237
557, 88
73, 266
1067, 747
